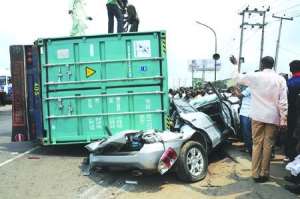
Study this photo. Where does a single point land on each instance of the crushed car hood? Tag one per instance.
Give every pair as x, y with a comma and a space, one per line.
116, 142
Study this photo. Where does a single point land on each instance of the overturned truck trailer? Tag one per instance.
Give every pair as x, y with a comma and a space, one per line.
26, 98
96, 86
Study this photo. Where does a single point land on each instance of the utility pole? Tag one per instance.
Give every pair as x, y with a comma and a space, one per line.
241, 41
279, 35
203, 72
262, 38
193, 70
262, 25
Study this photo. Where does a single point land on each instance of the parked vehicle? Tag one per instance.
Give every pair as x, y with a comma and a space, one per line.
195, 134
5, 86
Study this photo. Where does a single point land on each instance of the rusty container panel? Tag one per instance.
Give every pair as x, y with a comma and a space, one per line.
19, 109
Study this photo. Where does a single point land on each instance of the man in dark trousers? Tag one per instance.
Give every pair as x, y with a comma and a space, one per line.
133, 19
113, 10
292, 144
294, 89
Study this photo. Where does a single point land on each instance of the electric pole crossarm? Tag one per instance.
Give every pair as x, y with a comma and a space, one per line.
255, 24
284, 18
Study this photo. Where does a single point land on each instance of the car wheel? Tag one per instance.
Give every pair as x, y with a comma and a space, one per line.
192, 162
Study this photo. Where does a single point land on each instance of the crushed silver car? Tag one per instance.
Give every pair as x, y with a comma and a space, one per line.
196, 131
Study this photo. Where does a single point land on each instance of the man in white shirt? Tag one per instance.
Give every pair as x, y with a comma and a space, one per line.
245, 119
268, 111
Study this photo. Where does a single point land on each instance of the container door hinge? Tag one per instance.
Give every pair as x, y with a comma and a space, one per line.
59, 75
60, 104
69, 72
70, 109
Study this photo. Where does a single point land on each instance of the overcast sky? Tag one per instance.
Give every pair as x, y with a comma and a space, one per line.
23, 21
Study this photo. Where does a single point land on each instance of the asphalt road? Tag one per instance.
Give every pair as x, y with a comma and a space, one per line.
56, 172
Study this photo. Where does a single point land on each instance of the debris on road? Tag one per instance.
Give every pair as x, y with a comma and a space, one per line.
136, 173
131, 182
33, 158
195, 132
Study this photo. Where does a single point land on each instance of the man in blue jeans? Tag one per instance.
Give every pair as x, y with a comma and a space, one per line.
113, 10
245, 119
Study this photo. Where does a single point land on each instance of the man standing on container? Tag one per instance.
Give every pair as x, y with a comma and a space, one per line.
113, 10
79, 17
133, 19
268, 111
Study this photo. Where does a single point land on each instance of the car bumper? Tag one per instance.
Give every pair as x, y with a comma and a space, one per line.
145, 159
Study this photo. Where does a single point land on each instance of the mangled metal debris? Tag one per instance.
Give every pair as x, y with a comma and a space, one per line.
195, 133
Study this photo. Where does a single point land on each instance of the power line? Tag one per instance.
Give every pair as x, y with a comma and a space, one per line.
275, 5
236, 46
242, 7
286, 9
269, 24
294, 11
296, 16
290, 51
280, 5
261, 13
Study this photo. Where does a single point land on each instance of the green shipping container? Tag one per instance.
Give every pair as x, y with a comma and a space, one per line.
94, 86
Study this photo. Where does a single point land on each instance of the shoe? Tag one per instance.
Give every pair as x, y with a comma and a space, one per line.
293, 188
292, 179
257, 180
264, 179
261, 179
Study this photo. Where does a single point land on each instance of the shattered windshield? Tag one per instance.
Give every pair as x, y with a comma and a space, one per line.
2, 80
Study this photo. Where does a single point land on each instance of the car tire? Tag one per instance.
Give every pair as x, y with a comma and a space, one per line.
192, 154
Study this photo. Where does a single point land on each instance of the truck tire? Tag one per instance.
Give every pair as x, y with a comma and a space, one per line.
192, 162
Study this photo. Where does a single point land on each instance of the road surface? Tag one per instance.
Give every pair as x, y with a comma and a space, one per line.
31, 171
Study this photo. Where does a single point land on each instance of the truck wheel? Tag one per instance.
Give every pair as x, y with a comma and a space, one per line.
192, 162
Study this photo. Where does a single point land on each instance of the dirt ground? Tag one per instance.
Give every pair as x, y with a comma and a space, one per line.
57, 172
228, 177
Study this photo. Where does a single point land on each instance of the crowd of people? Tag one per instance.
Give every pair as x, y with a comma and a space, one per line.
188, 93
270, 107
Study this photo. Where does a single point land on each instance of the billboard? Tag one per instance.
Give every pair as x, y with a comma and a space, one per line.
196, 65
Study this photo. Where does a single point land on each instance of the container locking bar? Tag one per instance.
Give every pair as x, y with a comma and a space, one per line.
101, 81
102, 62
102, 95
103, 114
